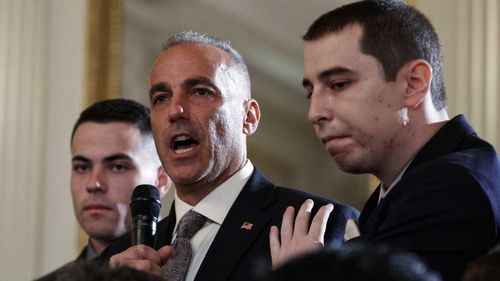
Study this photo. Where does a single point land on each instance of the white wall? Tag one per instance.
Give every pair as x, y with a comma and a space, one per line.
41, 89
65, 94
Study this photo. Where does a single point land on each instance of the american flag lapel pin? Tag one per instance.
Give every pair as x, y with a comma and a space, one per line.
247, 225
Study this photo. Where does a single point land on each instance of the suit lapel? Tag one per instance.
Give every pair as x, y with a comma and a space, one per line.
370, 213
83, 254
233, 240
165, 229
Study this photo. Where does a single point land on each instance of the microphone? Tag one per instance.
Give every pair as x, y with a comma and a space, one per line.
145, 208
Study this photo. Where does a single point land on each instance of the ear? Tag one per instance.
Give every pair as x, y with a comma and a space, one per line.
418, 76
163, 182
252, 117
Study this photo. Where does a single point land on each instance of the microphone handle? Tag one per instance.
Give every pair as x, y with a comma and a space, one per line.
144, 230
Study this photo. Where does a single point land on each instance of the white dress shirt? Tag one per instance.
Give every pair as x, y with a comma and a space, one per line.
215, 207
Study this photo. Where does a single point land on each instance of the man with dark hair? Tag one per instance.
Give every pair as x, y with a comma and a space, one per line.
113, 151
484, 268
355, 262
372, 72
201, 113
97, 271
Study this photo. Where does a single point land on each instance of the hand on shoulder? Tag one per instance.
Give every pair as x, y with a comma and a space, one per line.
298, 235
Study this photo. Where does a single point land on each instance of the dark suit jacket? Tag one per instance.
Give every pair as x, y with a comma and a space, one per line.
239, 254
446, 208
54, 274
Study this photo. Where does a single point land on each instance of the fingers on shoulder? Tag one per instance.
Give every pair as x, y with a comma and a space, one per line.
319, 222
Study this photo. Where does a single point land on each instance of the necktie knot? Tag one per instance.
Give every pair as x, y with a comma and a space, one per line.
190, 223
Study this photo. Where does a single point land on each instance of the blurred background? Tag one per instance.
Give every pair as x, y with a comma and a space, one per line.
58, 56
285, 146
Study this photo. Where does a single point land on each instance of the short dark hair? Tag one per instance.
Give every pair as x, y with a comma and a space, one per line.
484, 268
394, 33
189, 36
355, 262
117, 110
97, 271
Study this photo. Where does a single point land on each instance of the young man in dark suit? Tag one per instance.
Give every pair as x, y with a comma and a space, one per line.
112, 151
373, 75
201, 113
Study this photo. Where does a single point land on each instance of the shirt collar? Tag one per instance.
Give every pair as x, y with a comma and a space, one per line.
90, 252
217, 203
383, 192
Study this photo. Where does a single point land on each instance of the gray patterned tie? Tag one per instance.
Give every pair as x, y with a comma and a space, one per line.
176, 267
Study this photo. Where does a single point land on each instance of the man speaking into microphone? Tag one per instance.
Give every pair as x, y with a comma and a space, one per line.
112, 152
202, 112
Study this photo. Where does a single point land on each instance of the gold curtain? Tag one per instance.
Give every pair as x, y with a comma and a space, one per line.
103, 50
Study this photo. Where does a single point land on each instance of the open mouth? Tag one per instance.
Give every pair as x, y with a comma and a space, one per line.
184, 143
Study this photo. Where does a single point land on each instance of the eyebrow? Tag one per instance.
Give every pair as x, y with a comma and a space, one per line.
337, 70
108, 159
115, 157
80, 158
159, 87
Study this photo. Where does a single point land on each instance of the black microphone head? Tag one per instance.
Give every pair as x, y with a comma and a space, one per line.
145, 201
